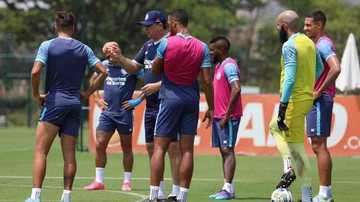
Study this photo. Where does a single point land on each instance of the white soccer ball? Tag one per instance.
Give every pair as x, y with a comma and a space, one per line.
282, 195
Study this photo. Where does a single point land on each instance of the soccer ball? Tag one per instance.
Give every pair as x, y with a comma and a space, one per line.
282, 195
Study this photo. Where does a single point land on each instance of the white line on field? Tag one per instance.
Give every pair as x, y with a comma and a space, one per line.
142, 196
146, 178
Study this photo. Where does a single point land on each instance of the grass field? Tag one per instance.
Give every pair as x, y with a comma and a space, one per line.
255, 177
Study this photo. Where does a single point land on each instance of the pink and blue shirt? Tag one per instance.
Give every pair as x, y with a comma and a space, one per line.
226, 72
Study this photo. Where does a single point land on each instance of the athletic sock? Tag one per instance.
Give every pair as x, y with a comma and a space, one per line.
66, 195
154, 190
306, 194
161, 193
175, 190
127, 177
35, 193
324, 191
183, 194
287, 163
99, 175
227, 187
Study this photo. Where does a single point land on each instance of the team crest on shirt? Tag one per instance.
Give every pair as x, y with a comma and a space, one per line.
218, 76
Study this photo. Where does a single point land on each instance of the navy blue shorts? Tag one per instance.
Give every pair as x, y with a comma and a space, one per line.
123, 122
150, 120
67, 118
318, 120
225, 137
177, 117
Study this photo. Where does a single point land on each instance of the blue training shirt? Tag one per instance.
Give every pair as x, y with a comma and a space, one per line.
145, 57
119, 86
65, 60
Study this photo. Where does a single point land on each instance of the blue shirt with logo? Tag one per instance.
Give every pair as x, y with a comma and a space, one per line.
119, 86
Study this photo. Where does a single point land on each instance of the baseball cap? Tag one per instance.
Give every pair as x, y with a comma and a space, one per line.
152, 17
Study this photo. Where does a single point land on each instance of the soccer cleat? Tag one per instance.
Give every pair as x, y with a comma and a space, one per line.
223, 195
171, 198
32, 200
287, 179
319, 198
126, 186
95, 186
232, 195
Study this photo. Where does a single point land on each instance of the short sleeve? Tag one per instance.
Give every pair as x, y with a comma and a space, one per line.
42, 54
92, 59
162, 48
231, 72
140, 56
206, 63
325, 49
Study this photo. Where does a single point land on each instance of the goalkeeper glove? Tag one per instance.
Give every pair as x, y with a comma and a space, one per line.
281, 116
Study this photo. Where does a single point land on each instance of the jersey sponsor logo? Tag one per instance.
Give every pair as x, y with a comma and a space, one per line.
148, 64
115, 81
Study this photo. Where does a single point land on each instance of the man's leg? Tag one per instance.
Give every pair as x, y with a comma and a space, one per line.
304, 169
187, 165
45, 135
175, 161
289, 175
102, 141
68, 147
128, 160
161, 145
319, 146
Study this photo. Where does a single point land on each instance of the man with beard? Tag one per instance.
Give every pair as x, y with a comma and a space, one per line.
319, 118
227, 111
155, 27
300, 67
180, 58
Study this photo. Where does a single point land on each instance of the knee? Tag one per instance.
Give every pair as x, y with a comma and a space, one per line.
227, 152
174, 150
100, 146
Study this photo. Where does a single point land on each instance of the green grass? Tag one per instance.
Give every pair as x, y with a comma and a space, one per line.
255, 177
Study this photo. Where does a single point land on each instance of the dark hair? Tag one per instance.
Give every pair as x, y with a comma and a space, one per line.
225, 43
181, 16
318, 16
65, 20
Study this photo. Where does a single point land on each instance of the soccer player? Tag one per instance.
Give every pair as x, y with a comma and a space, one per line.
180, 58
155, 27
227, 111
119, 87
300, 67
65, 60
319, 118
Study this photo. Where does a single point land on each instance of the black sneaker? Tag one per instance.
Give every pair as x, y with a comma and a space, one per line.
171, 198
287, 179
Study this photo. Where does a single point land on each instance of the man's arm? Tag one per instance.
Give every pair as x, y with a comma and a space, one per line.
234, 96
209, 94
100, 69
129, 65
99, 102
158, 66
334, 71
35, 82
151, 88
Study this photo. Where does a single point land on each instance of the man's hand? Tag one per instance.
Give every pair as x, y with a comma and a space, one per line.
115, 54
209, 115
131, 104
316, 95
101, 104
150, 88
224, 121
281, 116
40, 100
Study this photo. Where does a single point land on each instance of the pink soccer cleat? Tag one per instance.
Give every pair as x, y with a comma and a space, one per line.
126, 186
95, 186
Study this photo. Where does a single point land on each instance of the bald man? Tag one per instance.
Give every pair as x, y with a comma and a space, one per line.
300, 67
